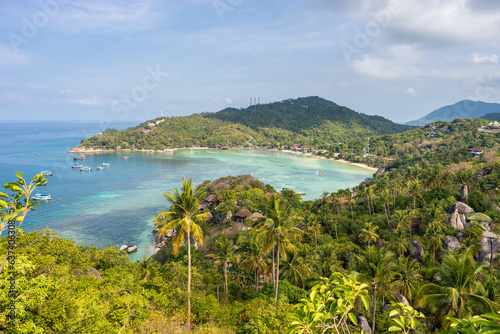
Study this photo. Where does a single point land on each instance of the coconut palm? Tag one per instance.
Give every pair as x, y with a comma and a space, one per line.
402, 242
386, 200
312, 224
459, 292
277, 231
294, 269
369, 233
433, 234
407, 277
180, 221
415, 190
376, 268
254, 261
223, 252
326, 262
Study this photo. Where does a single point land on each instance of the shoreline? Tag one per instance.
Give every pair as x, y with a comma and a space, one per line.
342, 161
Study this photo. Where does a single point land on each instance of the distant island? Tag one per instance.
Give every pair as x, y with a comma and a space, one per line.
307, 122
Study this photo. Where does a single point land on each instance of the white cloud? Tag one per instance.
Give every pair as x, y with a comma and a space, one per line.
477, 59
13, 96
411, 92
228, 100
10, 58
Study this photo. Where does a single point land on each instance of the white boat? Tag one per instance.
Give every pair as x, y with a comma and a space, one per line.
85, 169
99, 168
46, 172
41, 197
105, 164
76, 166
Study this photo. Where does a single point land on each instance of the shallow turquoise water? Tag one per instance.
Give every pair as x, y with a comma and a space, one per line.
115, 206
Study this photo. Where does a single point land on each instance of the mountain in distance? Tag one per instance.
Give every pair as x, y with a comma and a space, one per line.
495, 116
307, 121
462, 109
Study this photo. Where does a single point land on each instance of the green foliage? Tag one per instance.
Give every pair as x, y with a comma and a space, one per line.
478, 201
405, 318
488, 323
330, 305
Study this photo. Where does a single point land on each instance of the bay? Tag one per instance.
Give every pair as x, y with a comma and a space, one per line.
115, 206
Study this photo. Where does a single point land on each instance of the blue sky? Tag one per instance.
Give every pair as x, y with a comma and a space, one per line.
116, 61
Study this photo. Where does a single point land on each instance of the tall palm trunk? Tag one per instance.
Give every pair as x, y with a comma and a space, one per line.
256, 280
277, 272
225, 277
374, 307
386, 215
189, 280
369, 207
273, 272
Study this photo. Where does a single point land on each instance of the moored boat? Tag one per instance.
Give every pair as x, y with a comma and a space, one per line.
41, 197
85, 169
76, 166
105, 164
125, 158
46, 172
99, 168
79, 157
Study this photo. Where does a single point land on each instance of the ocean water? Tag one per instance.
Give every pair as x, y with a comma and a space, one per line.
115, 206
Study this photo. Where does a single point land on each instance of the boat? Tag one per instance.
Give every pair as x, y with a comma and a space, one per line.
41, 197
99, 168
281, 165
85, 169
125, 158
105, 164
76, 166
321, 174
79, 157
46, 172
300, 193
225, 148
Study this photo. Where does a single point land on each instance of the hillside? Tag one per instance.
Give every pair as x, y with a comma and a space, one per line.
461, 109
306, 121
492, 116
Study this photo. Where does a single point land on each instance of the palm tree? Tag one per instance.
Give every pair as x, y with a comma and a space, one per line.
312, 224
376, 268
326, 262
407, 277
433, 234
224, 252
369, 233
181, 219
386, 200
459, 292
294, 269
277, 231
254, 261
402, 242
414, 190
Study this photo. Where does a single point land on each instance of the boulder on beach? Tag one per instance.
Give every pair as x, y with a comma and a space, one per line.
124, 247
131, 249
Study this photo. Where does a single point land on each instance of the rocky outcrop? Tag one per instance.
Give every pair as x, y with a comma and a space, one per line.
417, 251
381, 171
90, 272
402, 299
483, 173
450, 243
490, 244
457, 217
464, 194
129, 249
363, 324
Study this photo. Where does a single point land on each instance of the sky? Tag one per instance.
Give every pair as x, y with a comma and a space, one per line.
126, 61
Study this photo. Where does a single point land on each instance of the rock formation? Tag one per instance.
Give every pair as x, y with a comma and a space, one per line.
490, 244
363, 324
457, 217
450, 243
464, 194
417, 251
402, 299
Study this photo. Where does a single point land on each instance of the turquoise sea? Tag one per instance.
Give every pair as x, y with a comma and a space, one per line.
115, 206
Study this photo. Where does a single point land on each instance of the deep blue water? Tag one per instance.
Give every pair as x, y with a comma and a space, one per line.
115, 206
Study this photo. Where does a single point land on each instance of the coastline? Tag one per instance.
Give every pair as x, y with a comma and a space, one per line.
342, 161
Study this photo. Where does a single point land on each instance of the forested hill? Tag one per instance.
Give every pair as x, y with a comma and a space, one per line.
303, 114
306, 121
